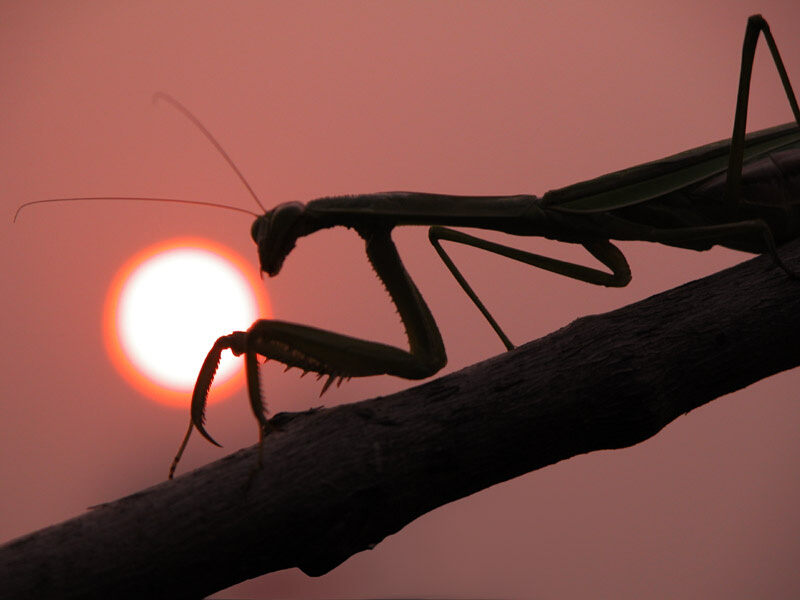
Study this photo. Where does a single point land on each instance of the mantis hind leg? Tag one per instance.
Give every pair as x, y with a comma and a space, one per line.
754, 228
755, 26
602, 250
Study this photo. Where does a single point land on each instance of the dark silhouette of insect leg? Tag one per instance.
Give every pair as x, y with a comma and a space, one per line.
753, 229
603, 250
326, 353
755, 25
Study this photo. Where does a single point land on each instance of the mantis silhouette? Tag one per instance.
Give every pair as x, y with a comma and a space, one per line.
742, 193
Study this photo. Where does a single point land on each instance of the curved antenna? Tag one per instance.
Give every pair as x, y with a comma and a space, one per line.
187, 113
137, 198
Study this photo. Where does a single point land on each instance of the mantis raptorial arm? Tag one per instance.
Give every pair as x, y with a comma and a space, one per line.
326, 353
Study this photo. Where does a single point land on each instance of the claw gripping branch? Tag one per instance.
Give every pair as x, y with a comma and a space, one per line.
237, 342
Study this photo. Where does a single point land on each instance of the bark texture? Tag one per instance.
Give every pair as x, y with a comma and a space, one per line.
338, 481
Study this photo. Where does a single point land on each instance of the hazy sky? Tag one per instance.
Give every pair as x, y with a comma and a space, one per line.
315, 99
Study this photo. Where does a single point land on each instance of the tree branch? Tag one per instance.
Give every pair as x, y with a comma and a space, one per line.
338, 481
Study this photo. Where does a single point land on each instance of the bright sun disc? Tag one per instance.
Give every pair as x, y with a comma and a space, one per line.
166, 309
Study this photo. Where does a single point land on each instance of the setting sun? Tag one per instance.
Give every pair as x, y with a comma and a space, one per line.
166, 308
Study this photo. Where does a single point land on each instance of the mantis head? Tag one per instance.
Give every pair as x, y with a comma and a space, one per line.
275, 233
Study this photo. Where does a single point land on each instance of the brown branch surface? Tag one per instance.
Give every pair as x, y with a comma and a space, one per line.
338, 481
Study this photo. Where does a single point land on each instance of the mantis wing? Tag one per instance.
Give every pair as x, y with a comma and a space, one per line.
650, 180
653, 179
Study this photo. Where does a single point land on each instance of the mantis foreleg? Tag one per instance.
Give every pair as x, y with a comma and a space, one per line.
326, 353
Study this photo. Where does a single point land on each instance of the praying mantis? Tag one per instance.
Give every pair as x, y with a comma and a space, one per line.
742, 193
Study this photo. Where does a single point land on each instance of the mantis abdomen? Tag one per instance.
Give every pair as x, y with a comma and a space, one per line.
770, 193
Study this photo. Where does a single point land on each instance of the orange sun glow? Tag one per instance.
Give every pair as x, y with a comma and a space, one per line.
166, 308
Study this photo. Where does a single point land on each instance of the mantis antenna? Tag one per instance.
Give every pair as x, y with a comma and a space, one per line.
136, 198
189, 115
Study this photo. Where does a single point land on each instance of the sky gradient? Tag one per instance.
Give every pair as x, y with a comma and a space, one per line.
318, 99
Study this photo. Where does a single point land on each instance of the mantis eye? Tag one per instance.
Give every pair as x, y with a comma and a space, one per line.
275, 233
255, 229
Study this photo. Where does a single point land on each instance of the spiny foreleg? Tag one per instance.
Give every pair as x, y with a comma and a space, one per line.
327, 353
262, 339
236, 342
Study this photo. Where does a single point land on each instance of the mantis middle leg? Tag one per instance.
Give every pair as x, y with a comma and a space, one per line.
602, 250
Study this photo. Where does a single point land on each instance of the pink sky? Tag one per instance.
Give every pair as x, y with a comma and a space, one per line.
316, 99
